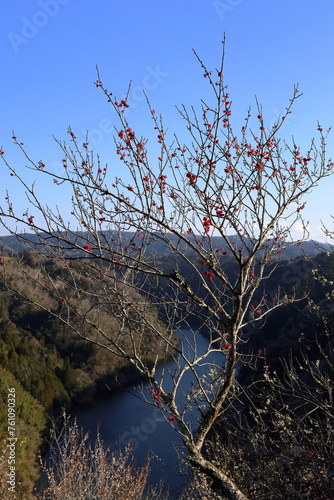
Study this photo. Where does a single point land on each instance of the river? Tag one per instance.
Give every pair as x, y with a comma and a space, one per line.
123, 417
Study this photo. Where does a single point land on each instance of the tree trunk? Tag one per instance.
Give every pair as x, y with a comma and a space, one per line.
221, 483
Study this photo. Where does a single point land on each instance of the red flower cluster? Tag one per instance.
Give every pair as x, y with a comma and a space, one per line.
206, 224
87, 248
121, 104
130, 135
156, 396
209, 275
192, 178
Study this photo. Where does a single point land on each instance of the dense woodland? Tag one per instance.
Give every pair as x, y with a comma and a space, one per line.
51, 368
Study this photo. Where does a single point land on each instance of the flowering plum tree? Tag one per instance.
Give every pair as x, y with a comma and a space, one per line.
196, 227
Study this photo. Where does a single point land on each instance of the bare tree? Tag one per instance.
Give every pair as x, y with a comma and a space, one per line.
196, 229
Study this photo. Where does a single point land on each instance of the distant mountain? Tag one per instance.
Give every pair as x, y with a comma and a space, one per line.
155, 245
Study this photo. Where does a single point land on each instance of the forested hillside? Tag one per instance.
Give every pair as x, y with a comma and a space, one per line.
46, 363
50, 366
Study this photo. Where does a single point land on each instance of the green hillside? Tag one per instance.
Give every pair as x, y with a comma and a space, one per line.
46, 363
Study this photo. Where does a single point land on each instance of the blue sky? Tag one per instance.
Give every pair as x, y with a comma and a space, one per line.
50, 49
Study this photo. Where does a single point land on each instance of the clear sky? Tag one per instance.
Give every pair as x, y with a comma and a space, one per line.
50, 49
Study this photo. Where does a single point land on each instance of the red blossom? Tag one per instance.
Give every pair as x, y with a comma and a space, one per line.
206, 224
87, 248
228, 346
131, 134
191, 177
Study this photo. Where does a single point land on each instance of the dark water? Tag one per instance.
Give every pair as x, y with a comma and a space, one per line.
123, 418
